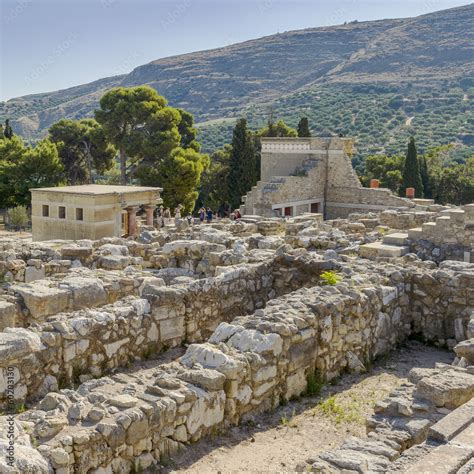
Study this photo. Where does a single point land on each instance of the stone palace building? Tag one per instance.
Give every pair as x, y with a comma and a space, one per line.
301, 175
90, 211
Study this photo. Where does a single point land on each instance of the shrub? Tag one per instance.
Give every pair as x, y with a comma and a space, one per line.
330, 278
18, 217
315, 384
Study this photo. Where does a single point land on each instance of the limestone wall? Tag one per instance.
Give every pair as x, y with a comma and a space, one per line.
247, 366
91, 342
343, 201
405, 220
450, 236
441, 302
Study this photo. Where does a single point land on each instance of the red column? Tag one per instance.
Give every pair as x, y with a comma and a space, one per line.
410, 193
374, 183
149, 214
132, 220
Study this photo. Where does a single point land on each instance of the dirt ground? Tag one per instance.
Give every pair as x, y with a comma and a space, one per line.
278, 441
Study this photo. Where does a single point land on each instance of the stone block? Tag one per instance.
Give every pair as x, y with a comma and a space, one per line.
449, 388
172, 328
453, 423
442, 460
33, 273
8, 314
41, 299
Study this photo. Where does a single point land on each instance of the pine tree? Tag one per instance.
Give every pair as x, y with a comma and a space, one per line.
303, 127
411, 171
243, 172
425, 178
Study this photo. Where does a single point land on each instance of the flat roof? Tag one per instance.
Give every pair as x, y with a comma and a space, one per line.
97, 189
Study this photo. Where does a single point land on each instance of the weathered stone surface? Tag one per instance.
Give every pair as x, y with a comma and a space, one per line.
466, 349
42, 300
449, 388
8, 314
17, 342
442, 460
453, 423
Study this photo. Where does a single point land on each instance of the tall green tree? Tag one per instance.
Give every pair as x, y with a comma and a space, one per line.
7, 130
157, 143
131, 118
425, 178
23, 168
214, 186
180, 173
387, 169
187, 130
303, 127
411, 177
278, 129
83, 147
456, 184
243, 172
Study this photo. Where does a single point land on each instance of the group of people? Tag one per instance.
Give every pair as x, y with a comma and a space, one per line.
165, 217
206, 213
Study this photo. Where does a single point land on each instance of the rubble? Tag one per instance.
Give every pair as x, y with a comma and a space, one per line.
124, 351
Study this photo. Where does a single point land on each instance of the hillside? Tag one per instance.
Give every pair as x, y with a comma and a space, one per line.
378, 80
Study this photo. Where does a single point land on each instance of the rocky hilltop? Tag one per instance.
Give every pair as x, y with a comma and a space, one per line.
429, 50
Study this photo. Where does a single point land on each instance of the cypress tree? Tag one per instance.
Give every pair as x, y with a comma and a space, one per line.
425, 178
411, 171
8, 131
303, 127
243, 172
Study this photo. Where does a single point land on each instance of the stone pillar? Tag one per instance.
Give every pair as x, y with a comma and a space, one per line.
132, 220
410, 193
149, 214
374, 183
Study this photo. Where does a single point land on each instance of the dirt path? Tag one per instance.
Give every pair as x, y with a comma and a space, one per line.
277, 441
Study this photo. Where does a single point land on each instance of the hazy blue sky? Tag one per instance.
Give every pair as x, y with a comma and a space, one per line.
54, 44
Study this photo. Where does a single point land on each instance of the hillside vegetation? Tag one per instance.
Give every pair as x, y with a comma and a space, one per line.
378, 81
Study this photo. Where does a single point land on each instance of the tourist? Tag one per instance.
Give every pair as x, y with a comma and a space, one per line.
177, 212
161, 222
237, 215
190, 219
202, 214
167, 216
209, 215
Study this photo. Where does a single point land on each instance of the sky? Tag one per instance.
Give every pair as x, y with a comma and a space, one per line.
46, 45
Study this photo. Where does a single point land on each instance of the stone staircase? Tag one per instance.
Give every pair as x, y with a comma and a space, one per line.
393, 245
275, 183
425, 426
452, 227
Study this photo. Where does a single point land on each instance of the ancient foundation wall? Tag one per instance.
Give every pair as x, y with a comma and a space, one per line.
405, 220
248, 365
91, 342
342, 201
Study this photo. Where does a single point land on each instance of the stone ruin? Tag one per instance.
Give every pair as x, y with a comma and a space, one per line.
116, 354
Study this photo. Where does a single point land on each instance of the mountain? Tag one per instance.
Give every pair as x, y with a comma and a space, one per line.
408, 72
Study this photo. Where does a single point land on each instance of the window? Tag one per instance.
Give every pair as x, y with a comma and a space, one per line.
45, 210
79, 214
62, 212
